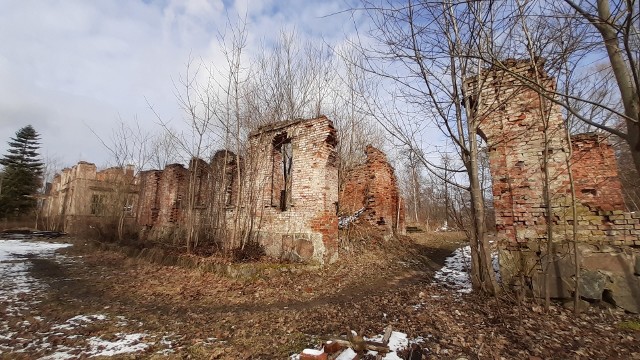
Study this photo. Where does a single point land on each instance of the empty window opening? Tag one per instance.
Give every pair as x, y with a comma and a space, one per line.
128, 206
282, 156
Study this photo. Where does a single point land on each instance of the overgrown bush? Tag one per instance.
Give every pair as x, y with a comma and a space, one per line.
251, 251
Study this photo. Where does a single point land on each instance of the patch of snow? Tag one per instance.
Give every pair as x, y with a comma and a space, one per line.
97, 346
62, 353
312, 352
19, 291
165, 352
166, 341
347, 354
79, 320
444, 227
126, 343
10, 249
344, 221
15, 280
397, 341
455, 272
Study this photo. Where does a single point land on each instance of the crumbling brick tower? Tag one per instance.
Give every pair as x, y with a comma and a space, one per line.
516, 121
511, 121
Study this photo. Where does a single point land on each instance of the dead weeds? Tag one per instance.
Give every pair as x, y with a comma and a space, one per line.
204, 315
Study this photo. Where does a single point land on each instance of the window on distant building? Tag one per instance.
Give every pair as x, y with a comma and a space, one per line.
97, 204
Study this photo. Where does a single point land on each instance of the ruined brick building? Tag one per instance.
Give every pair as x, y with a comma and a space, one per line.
296, 183
283, 193
371, 190
164, 195
516, 122
80, 198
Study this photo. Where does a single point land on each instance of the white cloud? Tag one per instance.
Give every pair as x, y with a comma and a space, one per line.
69, 65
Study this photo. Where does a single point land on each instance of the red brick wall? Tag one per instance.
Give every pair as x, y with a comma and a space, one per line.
148, 202
511, 117
595, 172
511, 120
173, 194
310, 223
163, 196
374, 187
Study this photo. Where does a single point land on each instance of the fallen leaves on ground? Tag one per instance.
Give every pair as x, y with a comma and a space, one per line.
205, 315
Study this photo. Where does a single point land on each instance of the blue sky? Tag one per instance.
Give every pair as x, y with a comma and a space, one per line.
68, 66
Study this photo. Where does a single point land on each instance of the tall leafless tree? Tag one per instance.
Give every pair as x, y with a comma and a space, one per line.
427, 51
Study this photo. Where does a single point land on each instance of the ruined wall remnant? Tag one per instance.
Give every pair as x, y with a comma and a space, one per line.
371, 190
80, 198
595, 170
148, 208
516, 123
282, 192
224, 177
285, 197
292, 172
164, 196
511, 121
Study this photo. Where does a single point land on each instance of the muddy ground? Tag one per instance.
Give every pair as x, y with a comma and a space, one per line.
179, 313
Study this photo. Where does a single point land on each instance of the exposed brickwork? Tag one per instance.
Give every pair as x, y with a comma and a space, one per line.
595, 171
511, 120
296, 212
224, 177
148, 203
294, 217
284, 194
374, 187
163, 196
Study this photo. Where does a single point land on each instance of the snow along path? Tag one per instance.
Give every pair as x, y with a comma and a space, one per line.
455, 272
397, 342
18, 289
20, 292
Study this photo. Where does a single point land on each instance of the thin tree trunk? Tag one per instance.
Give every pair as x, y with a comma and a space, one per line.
574, 212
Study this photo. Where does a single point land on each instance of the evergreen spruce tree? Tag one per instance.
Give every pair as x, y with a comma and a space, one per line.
22, 174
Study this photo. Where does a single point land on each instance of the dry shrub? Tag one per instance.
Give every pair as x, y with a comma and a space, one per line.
24, 222
252, 251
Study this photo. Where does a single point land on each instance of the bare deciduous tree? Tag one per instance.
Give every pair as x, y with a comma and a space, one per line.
427, 50
617, 24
